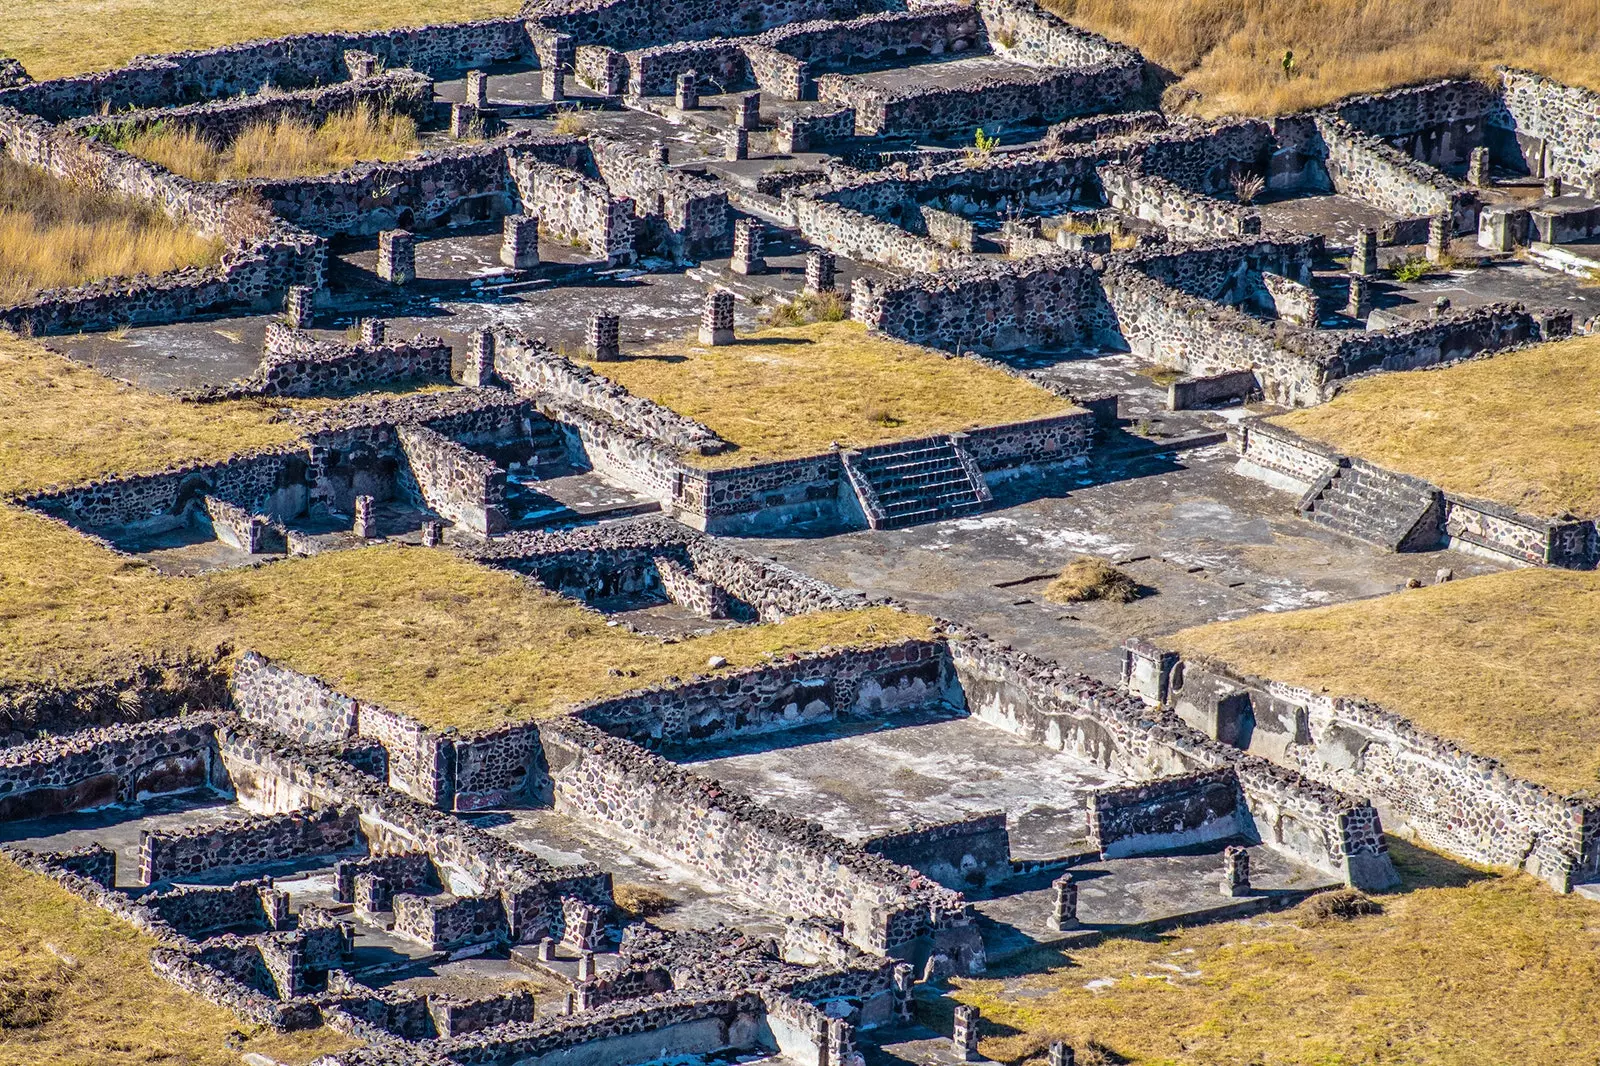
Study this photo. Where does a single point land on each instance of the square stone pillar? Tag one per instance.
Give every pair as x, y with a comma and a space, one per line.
1364, 252
747, 248
820, 271
478, 372
1061, 1055
1360, 303
1438, 237
432, 532
373, 331
1235, 871
1553, 186
737, 146
1064, 904
519, 242
298, 306
687, 96
716, 318
1478, 168
601, 338
747, 112
366, 522
658, 152
555, 84
397, 257
964, 1040
467, 121
477, 89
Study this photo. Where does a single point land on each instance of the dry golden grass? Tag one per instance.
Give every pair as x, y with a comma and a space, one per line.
1231, 51
640, 901
1088, 578
1503, 664
790, 392
284, 148
1460, 970
76, 987
55, 234
54, 39
1521, 429
451, 641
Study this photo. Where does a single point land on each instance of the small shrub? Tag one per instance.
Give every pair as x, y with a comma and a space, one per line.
1411, 268
1247, 187
806, 308
1087, 578
641, 901
1340, 905
983, 146
1004, 37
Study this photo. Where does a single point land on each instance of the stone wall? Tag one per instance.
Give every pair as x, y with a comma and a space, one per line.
402, 92
719, 66
295, 363
863, 238
446, 922
1062, 438
1368, 169
1490, 817
96, 767
964, 854
1048, 705
1030, 34
576, 209
1170, 812
301, 707
1547, 127
455, 482
1438, 123
164, 854
629, 24
1155, 199
694, 211
196, 910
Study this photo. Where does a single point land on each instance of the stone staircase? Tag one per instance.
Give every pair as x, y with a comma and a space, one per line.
1391, 510
915, 481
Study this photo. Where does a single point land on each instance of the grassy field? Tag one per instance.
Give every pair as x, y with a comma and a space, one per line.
1231, 52
788, 392
55, 234
76, 987
286, 148
1461, 968
1512, 428
54, 39
1502, 663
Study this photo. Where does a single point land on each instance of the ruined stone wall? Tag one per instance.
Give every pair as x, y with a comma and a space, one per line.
1030, 34
859, 682
1054, 439
781, 860
1169, 812
761, 496
1155, 199
195, 910
1492, 817
933, 29
1452, 335
532, 369
577, 209
455, 482
296, 363
1039, 301
629, 24
96, 767
294, 62
1368, 169
301, 707
1438, 123
995, 101
1550, 128
449, 922
164, 854
1480, 524
866, 239
694, 211
1206, 158
962, 854
1049, 705
403, 92
719, 66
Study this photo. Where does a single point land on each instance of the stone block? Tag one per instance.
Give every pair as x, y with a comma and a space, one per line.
397, 257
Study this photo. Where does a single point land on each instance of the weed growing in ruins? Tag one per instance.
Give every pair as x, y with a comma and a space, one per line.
637, 901
1247, 187
1087, 578
983, 146
286, 147
569, 122
1412, 268
57, 234
806, 308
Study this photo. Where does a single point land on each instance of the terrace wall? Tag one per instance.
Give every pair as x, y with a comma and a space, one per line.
95, 767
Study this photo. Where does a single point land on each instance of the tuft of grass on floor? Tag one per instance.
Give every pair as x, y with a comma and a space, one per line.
788, 392
76, 987
1087, 578
1521, 428
59, 234
1233, 54
1461, 968
641, 901
286, 147
54, 39
809, 307
1502, 664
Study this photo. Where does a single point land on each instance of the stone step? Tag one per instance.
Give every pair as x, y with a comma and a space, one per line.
1369, 506
921, 481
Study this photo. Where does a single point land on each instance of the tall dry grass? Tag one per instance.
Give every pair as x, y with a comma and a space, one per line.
287, 147
1231, 52
56, 234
